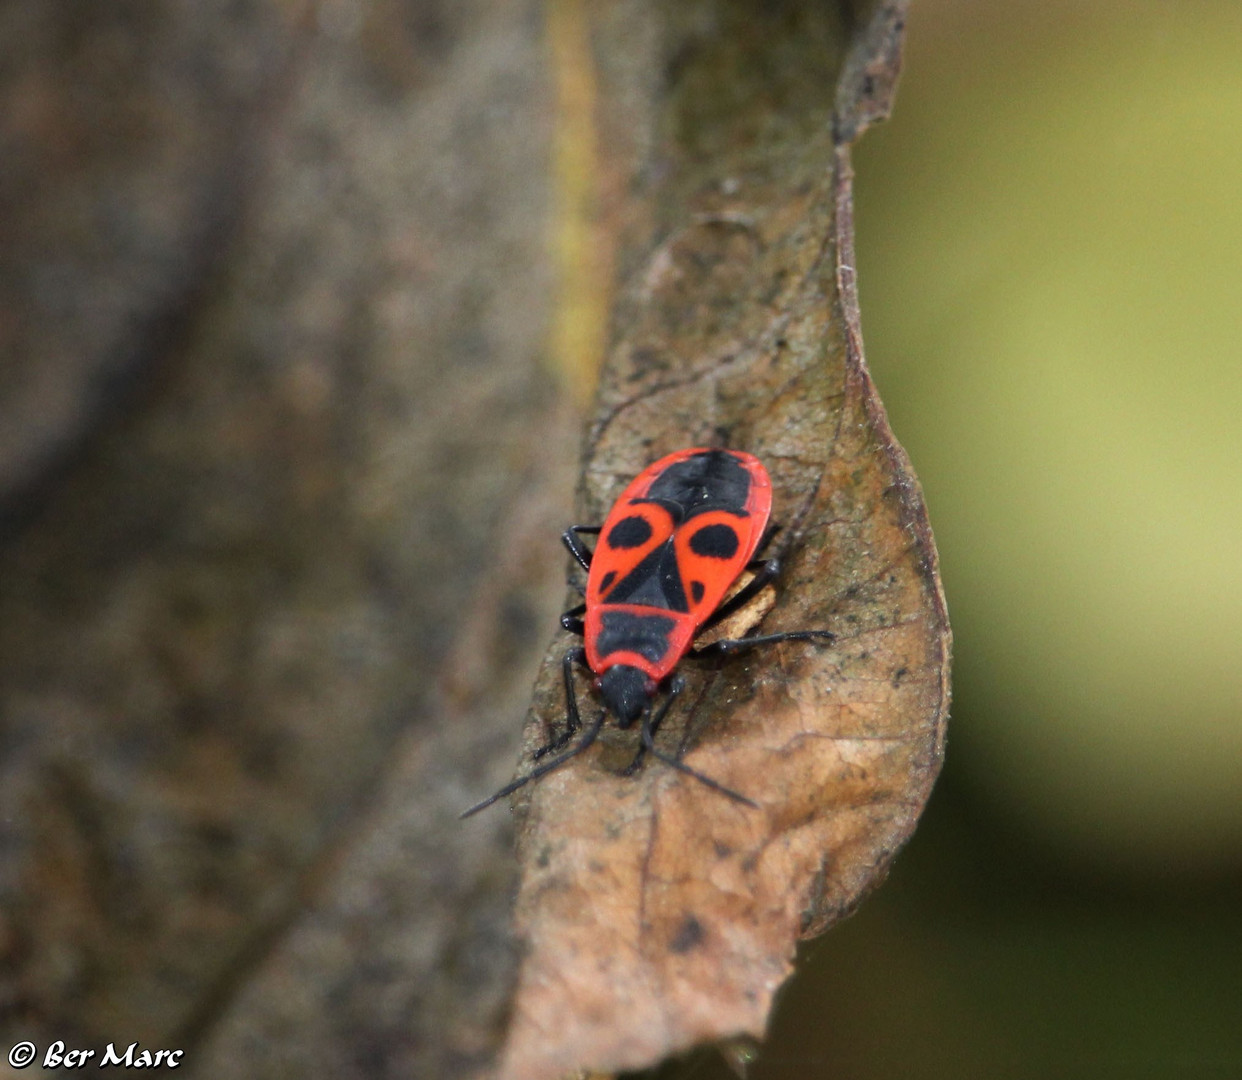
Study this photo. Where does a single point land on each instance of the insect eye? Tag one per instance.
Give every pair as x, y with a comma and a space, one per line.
715, 542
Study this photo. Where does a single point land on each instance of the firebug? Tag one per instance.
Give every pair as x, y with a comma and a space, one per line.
669, 551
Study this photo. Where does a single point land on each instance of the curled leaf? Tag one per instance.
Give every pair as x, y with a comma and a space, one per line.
654, 913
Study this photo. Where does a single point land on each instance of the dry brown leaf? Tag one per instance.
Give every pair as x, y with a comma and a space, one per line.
654, 913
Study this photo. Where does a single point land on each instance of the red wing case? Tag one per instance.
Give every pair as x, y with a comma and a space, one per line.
669, 551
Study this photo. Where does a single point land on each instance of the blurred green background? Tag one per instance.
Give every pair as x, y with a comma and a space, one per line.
1050, 265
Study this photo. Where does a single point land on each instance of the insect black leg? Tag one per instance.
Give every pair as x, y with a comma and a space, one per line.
649, 726
572, 620
733, 646
579, 550
768, 533
573, 721
572, 657
765, 573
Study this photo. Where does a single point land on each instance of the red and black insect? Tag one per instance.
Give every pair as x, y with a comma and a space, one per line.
670, 549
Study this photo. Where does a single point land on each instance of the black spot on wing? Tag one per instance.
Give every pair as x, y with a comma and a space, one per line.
715, 542
629, 532
607, 580
696, 591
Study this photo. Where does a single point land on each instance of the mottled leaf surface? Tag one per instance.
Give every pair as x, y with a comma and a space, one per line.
654, 913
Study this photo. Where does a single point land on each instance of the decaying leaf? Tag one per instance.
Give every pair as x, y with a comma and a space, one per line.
654, 913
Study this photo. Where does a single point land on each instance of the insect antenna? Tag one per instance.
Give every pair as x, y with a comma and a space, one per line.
650, 723
544, 769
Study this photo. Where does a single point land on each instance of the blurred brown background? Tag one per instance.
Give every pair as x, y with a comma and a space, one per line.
280, 476
275, 297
